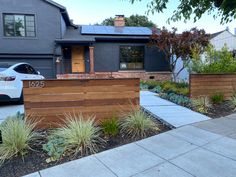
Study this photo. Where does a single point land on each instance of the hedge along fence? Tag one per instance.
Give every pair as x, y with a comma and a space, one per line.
210, 84
49, 100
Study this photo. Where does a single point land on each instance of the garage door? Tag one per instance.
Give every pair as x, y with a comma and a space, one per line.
43, 65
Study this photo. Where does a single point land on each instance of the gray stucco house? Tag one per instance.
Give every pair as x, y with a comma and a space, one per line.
41, 33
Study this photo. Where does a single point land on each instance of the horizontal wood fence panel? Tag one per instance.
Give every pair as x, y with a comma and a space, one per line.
210, 84
48, 100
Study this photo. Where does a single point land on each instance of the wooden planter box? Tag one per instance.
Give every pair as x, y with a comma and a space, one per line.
49, 100
210, 84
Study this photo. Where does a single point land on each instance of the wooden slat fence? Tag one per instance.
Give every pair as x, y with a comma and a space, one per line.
49, 100
210, 84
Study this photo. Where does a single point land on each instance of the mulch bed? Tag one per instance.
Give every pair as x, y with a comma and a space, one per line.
221, 110
35, 160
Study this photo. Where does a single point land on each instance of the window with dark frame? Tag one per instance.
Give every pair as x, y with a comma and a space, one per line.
132, 57
18, 25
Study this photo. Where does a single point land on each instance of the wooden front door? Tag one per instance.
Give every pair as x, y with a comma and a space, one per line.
78, 61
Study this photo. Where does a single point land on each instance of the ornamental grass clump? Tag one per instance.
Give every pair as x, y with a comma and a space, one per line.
201, 104
233, 100
110, 127
80, 135
137, 124
217, 98
17, 136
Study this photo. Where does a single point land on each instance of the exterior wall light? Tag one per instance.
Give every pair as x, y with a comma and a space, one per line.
58, 60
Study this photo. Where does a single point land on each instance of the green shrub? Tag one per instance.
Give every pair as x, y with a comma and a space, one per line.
55, 148
143, 86
217, 98
17, 135
110, 127
215, 61
137, 125
182, 85
151, 84
201, 104
178, 88
80, 134
157, 89
183, 91
178, 99
168, 87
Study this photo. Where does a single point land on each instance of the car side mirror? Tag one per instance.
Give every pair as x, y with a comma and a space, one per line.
38, 72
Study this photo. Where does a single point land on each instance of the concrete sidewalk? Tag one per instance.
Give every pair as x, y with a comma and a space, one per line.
168, 112
205, 149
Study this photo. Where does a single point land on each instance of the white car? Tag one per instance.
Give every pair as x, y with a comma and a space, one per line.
11, 76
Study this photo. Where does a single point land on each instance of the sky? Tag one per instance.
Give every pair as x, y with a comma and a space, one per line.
95, 11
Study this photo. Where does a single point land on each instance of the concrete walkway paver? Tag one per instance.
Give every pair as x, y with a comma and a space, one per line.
224, 146
184, 152
33, 175
85, 167
164, 170
127, 160
194, 135
169, 112
223, 126
166, 146
203, 163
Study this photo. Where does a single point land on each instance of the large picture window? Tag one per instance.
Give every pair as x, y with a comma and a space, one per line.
19, 25
131, 57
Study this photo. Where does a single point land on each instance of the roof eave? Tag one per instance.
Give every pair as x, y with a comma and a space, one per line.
64, 13
73, 41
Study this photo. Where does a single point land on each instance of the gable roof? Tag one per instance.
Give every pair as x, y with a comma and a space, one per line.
55, 4
63, 11
216, 34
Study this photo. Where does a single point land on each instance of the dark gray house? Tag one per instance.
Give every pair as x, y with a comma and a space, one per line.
41, 33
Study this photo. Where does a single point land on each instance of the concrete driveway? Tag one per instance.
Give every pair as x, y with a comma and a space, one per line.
9, 110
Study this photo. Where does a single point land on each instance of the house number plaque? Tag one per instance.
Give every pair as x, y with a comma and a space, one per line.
36, 84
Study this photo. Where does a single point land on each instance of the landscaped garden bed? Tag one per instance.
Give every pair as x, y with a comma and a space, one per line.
212, 83
213, 106
75, 139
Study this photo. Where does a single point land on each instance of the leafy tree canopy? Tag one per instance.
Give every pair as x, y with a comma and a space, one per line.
179, 46
226, 9
133, 20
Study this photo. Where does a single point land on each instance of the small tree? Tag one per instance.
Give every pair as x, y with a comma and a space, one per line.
179, 46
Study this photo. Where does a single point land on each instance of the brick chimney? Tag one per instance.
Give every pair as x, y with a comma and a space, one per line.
119, 21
